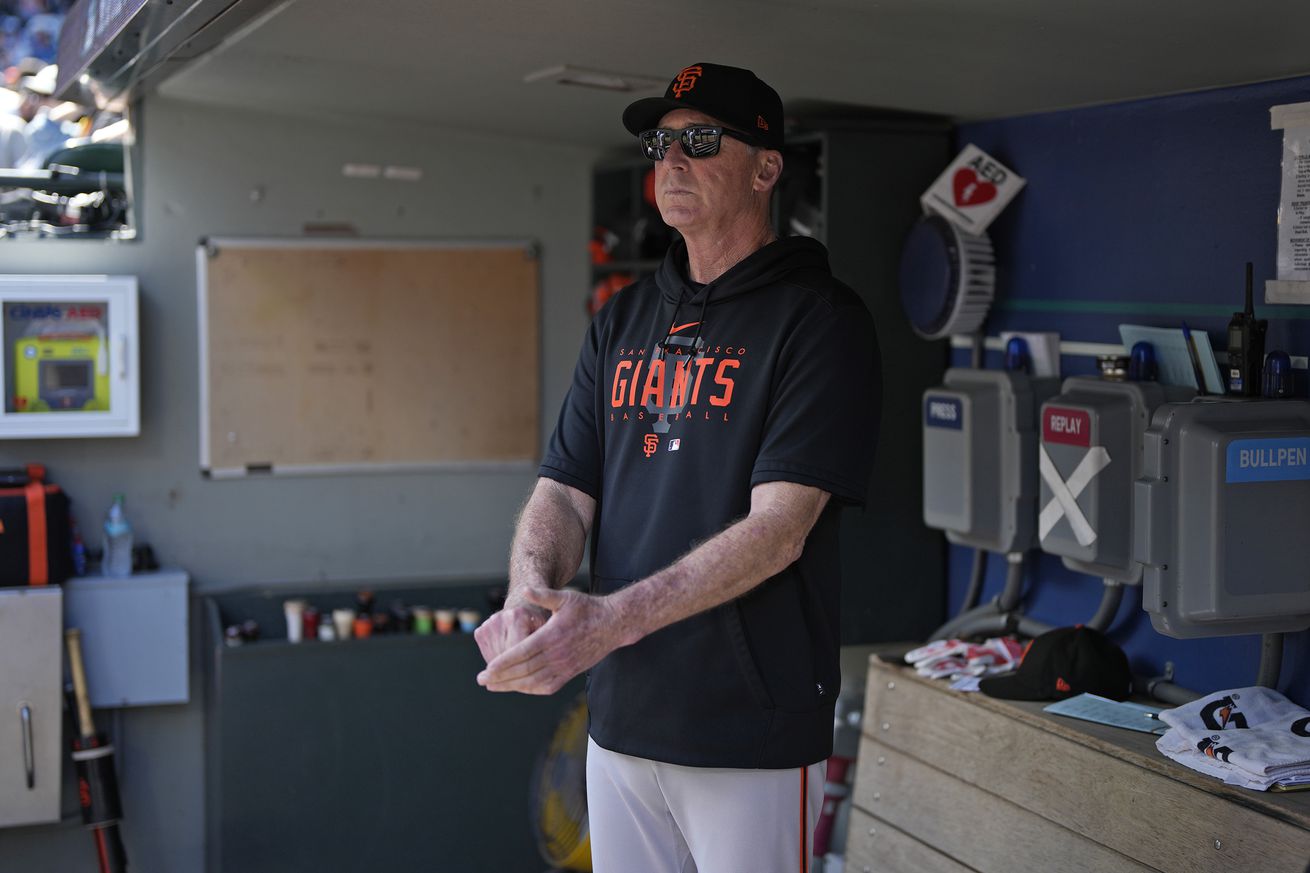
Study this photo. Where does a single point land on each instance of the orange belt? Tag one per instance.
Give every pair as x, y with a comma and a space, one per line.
37, 560
36, 492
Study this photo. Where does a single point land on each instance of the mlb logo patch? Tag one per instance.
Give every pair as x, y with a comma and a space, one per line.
674, 444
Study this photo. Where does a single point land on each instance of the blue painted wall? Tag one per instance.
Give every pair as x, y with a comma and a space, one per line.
1142, 212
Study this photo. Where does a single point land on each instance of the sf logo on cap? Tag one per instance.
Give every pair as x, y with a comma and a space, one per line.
686, 81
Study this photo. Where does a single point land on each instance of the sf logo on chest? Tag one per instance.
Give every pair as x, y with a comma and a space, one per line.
650, 444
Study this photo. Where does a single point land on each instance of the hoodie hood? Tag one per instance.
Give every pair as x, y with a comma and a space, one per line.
765, 266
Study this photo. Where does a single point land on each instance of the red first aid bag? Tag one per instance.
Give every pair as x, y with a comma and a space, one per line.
35, 529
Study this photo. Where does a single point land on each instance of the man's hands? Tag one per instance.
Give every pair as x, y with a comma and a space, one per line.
540, 658
507, 628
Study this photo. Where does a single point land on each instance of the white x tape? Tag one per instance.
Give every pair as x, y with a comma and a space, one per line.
1064, 501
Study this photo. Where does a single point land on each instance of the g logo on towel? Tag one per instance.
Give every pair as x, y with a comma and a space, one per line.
1221, 714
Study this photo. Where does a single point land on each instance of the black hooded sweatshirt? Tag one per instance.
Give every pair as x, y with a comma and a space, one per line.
783, 384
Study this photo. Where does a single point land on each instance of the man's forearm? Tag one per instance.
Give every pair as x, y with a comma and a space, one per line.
583, 629
722, 568
548, 541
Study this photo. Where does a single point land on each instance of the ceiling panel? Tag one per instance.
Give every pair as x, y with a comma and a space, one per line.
461, 63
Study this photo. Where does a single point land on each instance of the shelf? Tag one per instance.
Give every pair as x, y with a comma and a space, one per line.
386, 733
280, 647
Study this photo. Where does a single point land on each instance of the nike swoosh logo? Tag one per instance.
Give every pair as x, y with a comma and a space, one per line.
683, 327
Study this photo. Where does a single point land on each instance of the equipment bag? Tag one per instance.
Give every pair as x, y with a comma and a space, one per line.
35, 529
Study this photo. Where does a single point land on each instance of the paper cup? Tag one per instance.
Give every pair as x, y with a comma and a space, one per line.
344, 619
294, 611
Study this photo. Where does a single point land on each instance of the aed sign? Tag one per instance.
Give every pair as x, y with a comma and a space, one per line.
1071, 427
942, 411
1272, 460
973, 190
32, 311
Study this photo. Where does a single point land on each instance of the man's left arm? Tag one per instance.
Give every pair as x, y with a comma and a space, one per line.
584, 628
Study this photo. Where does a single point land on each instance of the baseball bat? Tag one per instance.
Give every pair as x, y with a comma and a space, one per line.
97, 785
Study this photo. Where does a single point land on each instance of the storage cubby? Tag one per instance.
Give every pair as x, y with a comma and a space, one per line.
365, 754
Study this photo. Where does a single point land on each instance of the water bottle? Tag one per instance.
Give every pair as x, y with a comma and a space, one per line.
118, 541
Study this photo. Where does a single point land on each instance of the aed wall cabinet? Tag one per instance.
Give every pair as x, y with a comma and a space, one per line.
69, 361
1219, 517
31, 705
134, 636
1088, 459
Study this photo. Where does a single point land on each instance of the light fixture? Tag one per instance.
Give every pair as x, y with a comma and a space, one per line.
402, 174
361, 171
567, 74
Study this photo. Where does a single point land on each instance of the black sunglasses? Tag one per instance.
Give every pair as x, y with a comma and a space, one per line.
698, 141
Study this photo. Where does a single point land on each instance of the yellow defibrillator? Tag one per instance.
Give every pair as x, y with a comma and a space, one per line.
61, 372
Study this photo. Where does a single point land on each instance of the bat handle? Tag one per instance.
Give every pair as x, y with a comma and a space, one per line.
73, 639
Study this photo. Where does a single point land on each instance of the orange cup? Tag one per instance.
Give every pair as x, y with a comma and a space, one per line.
363, 627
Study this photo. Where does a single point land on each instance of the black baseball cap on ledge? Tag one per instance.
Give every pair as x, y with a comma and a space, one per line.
1065, 662
737, 97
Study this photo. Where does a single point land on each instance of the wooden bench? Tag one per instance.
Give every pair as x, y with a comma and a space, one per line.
956, 782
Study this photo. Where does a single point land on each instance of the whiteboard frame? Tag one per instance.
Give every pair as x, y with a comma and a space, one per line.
209, 246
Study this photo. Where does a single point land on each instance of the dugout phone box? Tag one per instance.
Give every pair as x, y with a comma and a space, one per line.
1221, 518
980, 457
1089, 457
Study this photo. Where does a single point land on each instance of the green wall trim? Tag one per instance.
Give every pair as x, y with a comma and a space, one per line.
1130, 307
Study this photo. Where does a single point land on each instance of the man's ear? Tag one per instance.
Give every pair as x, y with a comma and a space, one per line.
768, 170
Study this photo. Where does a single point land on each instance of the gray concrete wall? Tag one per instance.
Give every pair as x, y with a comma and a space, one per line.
201, 166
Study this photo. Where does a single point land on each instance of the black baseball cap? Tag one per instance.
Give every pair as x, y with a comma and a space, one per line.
737, 97
1065, 662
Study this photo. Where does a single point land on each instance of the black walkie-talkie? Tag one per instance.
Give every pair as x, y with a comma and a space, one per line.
1246, 347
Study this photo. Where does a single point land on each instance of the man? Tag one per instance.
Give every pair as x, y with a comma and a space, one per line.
45, 135
720, 413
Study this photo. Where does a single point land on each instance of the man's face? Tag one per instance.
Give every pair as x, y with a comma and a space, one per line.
704, 194
32, 102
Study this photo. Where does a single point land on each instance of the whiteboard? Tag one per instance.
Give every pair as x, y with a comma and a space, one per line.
331, 356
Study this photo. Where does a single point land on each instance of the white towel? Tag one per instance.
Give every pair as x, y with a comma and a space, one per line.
1263, 752
1253, 737
1233, 710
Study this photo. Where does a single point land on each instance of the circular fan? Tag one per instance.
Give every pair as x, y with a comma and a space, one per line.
948, 278
559, 794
